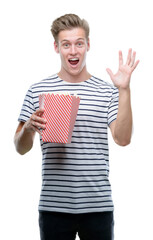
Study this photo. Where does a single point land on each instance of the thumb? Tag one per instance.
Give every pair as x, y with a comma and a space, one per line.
109, 71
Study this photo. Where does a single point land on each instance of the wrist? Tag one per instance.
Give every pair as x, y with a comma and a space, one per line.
124, 90
27, 129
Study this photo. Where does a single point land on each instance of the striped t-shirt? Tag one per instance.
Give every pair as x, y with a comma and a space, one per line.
75, 176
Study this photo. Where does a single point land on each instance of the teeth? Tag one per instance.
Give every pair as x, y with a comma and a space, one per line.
73, 59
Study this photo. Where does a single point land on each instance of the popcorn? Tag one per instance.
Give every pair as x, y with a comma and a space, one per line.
60, 111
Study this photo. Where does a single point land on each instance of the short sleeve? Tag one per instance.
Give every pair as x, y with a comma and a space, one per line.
113, 107
27, 108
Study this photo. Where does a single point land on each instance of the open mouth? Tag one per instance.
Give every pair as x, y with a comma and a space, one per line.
73, 61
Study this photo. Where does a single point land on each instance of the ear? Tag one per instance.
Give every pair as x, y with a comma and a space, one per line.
88, 44
56, 47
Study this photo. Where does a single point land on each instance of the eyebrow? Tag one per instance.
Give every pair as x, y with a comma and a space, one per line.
66, 40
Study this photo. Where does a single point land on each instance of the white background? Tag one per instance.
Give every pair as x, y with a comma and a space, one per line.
27, 56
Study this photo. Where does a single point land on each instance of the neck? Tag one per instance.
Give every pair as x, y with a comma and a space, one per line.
76, 78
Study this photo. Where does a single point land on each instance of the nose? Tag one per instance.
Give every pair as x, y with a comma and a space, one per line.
73, 49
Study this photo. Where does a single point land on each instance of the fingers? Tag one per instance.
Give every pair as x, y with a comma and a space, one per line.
132, 63
39, 112
109, 71
135, 65
132, 59
37, 122
35, 129
38, 119
120, 58
129, 56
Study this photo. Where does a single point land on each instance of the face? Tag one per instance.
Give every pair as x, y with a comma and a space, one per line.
72, 47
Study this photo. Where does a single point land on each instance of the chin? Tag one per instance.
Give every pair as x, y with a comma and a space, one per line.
75, 72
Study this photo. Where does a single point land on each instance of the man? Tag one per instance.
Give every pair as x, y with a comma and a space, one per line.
76, 193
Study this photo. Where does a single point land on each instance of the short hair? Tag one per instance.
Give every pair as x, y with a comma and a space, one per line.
67, 22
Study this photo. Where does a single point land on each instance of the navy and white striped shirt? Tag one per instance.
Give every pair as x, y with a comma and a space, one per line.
75, 176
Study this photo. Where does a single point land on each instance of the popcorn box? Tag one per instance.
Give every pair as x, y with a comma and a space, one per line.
60, 111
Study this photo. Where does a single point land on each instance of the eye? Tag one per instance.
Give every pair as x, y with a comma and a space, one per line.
66, 45
79, 44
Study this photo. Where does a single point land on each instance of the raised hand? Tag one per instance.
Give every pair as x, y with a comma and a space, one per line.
122, 78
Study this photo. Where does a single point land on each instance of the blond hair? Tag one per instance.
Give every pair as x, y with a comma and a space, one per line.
67, 22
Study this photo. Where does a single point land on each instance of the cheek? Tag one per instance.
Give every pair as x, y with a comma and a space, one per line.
63, 59
63, 54
84, 53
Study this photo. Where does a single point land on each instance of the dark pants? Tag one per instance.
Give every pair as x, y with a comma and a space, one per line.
64, 226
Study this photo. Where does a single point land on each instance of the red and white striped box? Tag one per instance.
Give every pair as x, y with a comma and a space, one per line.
60, 112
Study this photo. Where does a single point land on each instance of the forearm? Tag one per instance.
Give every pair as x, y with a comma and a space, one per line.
24, 140
123, 125
25, 132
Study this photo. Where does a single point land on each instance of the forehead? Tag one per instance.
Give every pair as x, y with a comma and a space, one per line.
71, 35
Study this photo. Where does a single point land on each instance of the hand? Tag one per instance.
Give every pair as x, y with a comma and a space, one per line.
122, 78
36, 122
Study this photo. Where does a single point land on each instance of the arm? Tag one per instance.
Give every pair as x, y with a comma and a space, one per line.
121, 128
25, 132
